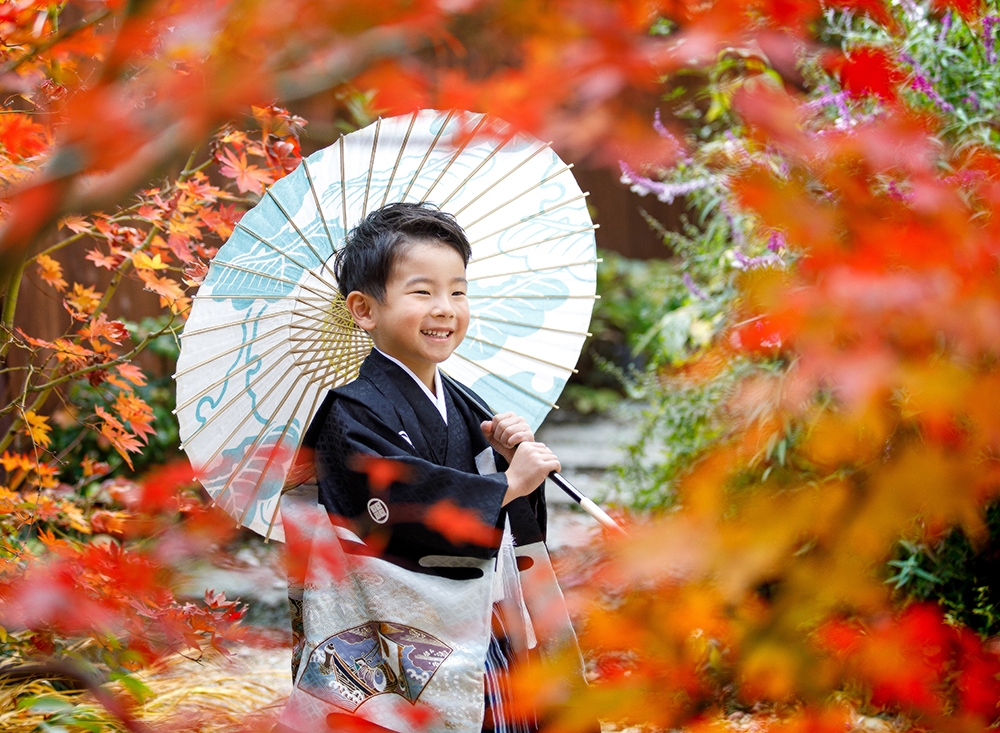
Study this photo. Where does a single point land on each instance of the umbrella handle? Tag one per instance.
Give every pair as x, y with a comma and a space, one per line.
557, 478
585, 503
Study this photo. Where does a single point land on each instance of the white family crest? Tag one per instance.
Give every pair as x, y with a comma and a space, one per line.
378, 510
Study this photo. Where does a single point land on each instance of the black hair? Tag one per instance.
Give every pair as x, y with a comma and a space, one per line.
374, 246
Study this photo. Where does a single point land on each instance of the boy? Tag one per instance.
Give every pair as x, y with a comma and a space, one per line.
439, 578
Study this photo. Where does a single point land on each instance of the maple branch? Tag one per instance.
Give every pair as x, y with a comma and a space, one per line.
10, 306
168, 328
18, 422
59, 245
56, 38
345, 61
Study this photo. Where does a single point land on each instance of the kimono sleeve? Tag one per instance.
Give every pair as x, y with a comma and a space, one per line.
407, 505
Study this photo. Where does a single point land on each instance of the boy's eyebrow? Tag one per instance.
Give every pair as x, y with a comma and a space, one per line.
426, 279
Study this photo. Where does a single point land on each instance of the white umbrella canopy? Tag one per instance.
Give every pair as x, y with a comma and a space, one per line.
268, 333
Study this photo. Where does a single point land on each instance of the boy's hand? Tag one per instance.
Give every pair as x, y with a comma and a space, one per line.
507, 431
531, 463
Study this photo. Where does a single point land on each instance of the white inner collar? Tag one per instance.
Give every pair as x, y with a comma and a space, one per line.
436, 399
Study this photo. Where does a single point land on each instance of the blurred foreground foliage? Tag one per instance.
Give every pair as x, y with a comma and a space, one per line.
824, 374
828, 457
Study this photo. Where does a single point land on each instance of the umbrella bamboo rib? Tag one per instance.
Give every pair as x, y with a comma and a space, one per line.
258, 273
525, 192
501, 179
535, 297
225, 378
371, 168
274, 451
492, 154
237, 296
277, 508
302, 236
536, 243
586, 334
399, 159
458, 152
571, 370
318, 374
560, 266
335, 328
235, 348
286, 255
230, 403
343, 187
319, 208
526, 219
335, 345
507, 381
427, 155
346, 355
230, 324
260, 436
300, 313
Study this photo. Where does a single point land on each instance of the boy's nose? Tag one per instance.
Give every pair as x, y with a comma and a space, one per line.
443, 308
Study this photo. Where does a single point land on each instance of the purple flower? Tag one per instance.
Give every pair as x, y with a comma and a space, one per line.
665, 133
692, 288
922, 84
989, 22
776, 241
945, 27
895, 192
664, 191
742, 262
972, 100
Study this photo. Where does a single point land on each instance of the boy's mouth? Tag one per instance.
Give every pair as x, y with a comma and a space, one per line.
437, 334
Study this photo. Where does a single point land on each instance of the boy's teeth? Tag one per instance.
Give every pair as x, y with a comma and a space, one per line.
437, 334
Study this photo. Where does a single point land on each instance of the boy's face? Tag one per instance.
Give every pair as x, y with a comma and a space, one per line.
425, 312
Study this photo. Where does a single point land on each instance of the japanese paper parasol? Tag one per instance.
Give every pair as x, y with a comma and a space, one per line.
269, 334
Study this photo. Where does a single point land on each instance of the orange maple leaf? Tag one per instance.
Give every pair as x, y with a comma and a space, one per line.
37, 428
132, 373
221, 221
248, 177
196, 192
83, 300
186, 227
136, 413
51, 272
75, 223
108, 262
113, 331
67, 351
143, 261
13, 461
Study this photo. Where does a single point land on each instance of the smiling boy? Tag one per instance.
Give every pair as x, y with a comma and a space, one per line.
448, 583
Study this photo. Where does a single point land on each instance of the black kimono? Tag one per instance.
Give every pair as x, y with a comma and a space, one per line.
420, 562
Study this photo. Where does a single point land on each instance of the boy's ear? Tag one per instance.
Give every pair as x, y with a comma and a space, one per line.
360, 307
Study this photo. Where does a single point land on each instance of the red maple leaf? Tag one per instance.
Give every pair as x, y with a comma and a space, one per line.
21, 137
460, 525
970, 10
867, 71
382, 472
